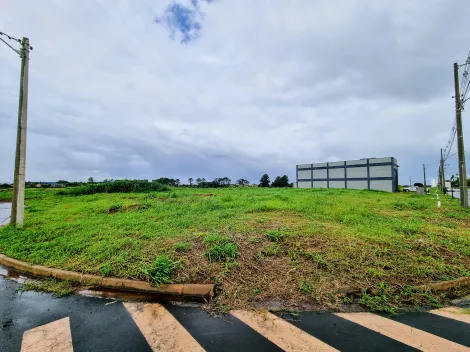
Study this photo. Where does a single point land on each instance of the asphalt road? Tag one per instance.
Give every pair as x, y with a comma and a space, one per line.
39, 322
457, 195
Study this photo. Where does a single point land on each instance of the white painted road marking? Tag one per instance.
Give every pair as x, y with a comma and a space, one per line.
453, 313
280, 332
406, 334
52, 337
161, 330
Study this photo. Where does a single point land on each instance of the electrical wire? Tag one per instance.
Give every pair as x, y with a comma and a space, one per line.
10, 37
450, 156
465, 82
12, 48
14, 39
433, 162
450, 141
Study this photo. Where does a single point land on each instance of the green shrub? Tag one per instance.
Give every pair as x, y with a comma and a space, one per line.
275, 235
182, 246
380, 302
161, 269
120, 186
106, 270
221, 252
305, 287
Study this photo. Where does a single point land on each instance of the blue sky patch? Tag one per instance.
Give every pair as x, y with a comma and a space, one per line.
183, 20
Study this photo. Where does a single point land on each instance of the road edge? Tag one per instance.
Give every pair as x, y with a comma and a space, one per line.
198, 291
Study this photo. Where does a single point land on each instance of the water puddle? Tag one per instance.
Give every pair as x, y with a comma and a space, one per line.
137, 296
5, 211
116, 295
12, 274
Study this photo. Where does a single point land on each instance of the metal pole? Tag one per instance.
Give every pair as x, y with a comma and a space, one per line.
17, 208
460, 144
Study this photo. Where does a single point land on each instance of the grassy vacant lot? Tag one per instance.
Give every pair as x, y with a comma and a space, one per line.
290, 245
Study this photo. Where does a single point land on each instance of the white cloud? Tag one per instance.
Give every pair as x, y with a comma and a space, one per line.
268, 84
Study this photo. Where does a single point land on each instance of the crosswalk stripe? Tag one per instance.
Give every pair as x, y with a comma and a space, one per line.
406, 334
52, 337
453, 313
280, 332
161, 330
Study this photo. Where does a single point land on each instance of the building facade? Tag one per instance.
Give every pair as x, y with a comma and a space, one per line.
375, 173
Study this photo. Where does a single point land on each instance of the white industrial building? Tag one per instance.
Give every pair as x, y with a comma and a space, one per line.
375, 173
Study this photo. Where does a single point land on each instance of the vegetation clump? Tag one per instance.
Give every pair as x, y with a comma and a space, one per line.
119, 186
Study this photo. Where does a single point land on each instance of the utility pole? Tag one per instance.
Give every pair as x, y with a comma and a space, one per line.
17, 208
442, 174
439, 183
424, 171
410, 181
460, 144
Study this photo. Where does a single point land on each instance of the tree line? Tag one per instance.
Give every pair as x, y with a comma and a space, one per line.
279, 181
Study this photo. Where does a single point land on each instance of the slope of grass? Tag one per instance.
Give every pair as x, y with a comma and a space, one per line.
261, 244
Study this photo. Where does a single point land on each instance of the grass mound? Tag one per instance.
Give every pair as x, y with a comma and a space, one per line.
120, 186
262, 245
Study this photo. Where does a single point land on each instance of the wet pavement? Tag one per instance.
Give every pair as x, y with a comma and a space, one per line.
31, 321
5, 211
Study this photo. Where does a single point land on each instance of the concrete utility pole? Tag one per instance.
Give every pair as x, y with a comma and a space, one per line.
442, 174
424, 171
17, 208
439, 178
460, 144
410, 181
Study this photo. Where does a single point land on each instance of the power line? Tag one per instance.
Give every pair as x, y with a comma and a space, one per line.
12, 48
465, 83
450, 156
14, 39
433, 162
450, 142
10, 37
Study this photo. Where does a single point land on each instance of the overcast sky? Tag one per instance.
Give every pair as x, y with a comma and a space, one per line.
237, 88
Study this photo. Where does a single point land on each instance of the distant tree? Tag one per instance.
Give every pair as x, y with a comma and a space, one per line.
242, 182
91, 180
284, 181
281, 181
224, 181
190, 180
62, 182
168, 181
276, 182
264, 181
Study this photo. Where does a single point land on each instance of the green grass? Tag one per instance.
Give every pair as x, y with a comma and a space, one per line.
162, 269
281, 239
56, 287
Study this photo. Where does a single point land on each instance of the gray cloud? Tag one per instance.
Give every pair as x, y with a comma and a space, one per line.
259, 91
